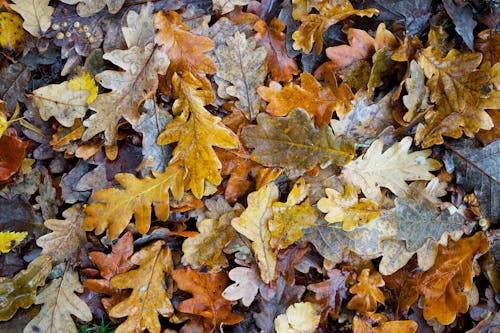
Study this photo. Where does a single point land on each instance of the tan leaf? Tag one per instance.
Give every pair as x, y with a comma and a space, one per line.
300, 317
149, 297
418, 93
59, 304
36, 15
390, 169
245, 287
139, 30
67, 236
226, 6
87, 8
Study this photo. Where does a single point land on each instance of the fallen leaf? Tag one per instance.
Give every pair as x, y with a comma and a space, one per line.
11, 31
390, 169
400, 326
367, 292
67, 236
361, 46
462, 16
347, 208
245, 287
445, 285
139, 30
12, 153
20, 291
300, 317
149, 297
272, 37
242, 64
293, 143
59, 303
331, 292
226, 6
418, 93
87, 8
207, 300
36, 15
9, 240
13, 81
117, 262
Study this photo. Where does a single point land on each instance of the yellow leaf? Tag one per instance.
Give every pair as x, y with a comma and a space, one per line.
11, 239
254, 224
148, 297
11, 31
347, 208
300, 317
84, 81
36, 15
367, 292
4, 123
196, 130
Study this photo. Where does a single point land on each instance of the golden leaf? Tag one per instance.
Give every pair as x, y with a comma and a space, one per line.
10, 239
367, 292
11, 31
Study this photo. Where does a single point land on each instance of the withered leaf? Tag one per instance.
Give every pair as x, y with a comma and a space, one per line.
331, 292
401, 326
20, 291
59, 303
12, 153
87, 8
367, 292
242, 64
300, 317
11, 239
13, 80
245, 287
293, 143
36, 15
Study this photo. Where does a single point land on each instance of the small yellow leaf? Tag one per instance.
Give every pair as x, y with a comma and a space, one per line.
84, 81
11, 31
9, 240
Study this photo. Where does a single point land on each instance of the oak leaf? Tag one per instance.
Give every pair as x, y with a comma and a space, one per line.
253, 223
242, 64
445, 285
460, 94
129, 89
226, 6
367, 292
87, 8
293, 143
139, 30
117, 262
36, 15
67, 236
207, 300
196, 130
11, 239
331, 292
12, 153
299, 317
185, 50
13, 81
397, 326
314, 25
361, 46
272, 37
390, 169
112, 208
245, 287
11, 32
418, 93
20, 291
347, 208
59, 303
319, 101
149, 297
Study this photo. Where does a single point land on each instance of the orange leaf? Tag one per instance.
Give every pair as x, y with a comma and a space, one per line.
361, 46
446, 283
12, 152
367, 292
398, 326
207, 300
117, 262
271, 36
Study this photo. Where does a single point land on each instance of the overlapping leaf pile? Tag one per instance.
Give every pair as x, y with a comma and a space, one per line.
289, 166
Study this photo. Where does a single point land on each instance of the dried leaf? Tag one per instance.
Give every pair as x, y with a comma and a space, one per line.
113, 208
293, 143
242, 64
36, 15
67, 236
12, 153
347, 208
129, 89
330, 293
259, 210
11, 32
245, 287
462, 16
149, 297
226, 6
196, 130
299, 318
117, 262
397, 326
139, 30
418, 93
9, 240
367, 292
272, 37
13, 81
207, 300
445, 285
87, 8
59, 303
390, 169
361, 46
20, 291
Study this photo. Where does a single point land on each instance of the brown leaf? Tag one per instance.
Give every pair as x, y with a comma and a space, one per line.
330, 293
12, 153
397, 326
207, 300
361, 46
367, 292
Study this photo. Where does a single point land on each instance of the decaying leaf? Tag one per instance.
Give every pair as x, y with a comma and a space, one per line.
11, 31
36, 15
299, 318
293, 143
367, 292
400, 326
149, 297
86, 8
12, 153
226, 6
207, 300
11, 239
361, 46
390, 169
13, 81
242, 64
330, 293
445, 285
67, 235
20, 291
245, 287
59, 303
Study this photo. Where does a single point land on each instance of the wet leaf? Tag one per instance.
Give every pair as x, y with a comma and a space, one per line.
367, 292
12, 153
36, 15
9, 240
88, 7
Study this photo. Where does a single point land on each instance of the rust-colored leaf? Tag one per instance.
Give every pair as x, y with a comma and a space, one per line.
367, 292
12, 153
